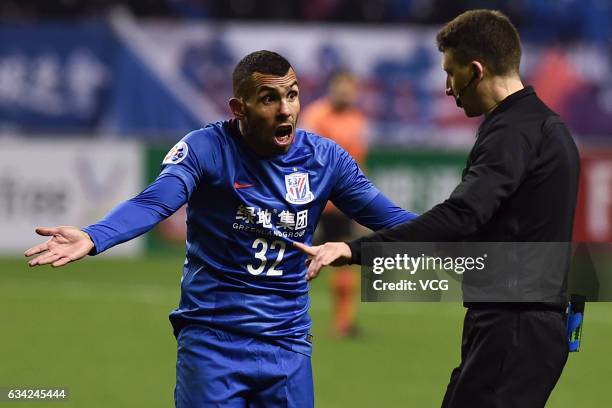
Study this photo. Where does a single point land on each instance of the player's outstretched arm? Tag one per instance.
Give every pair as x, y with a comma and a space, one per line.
66, 244
330, 253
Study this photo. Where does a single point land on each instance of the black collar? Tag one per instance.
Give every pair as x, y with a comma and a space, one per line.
508, 102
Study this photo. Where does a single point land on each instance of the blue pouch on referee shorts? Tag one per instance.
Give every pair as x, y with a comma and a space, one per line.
575, 318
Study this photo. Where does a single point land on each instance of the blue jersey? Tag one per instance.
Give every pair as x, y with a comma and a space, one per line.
242, 273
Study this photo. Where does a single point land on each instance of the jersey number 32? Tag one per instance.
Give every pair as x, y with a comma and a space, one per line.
261, 248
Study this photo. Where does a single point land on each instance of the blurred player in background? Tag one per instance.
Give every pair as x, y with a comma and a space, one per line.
253, 186
337, 117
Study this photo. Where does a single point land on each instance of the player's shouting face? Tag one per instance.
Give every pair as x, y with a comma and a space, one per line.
268, 111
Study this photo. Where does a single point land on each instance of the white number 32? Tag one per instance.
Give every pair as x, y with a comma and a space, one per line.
261, 255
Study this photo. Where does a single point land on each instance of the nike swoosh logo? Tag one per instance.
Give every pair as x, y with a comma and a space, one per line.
238, 185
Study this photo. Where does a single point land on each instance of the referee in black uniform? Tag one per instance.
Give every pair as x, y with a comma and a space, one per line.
519, 185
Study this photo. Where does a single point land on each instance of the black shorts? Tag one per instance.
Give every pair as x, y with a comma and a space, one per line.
509, 358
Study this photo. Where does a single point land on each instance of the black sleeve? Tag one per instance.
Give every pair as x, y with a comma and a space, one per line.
498, 166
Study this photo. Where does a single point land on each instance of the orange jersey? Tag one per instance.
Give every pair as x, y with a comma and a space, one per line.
347, 128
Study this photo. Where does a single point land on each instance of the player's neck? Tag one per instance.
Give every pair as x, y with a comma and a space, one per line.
242, 131
249, 141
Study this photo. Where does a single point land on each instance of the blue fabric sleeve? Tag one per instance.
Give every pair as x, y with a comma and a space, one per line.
355, 195
194, 159
352, 190
381, 213
188, 163
138, 215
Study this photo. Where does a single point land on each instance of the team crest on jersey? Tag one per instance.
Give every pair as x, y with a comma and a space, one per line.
298, 188
176, 154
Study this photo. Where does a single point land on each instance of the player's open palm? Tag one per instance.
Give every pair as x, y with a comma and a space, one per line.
66, 244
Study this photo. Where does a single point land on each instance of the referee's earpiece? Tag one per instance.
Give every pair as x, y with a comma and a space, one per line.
457, 96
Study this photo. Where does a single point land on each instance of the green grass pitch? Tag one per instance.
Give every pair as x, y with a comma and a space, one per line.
100, 328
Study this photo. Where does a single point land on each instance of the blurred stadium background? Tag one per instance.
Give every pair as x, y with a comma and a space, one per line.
93, 93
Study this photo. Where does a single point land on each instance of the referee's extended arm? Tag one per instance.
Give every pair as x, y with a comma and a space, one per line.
499, 163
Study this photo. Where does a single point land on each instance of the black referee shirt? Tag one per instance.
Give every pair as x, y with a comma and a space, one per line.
520, 183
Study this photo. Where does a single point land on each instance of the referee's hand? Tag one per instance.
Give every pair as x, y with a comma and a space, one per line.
330, 253
66, 244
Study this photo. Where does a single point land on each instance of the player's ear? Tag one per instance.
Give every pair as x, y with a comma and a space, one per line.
479, 69
237, 107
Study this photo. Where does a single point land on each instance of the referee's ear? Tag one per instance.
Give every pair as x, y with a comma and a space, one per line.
237, 107
479, 70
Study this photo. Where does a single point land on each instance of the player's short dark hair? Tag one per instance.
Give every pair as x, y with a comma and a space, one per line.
483, 35
264, 62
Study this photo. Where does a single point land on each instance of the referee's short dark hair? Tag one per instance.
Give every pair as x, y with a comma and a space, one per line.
264, 62
483, 35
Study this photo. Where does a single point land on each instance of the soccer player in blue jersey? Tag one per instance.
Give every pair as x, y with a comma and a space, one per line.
254, 185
